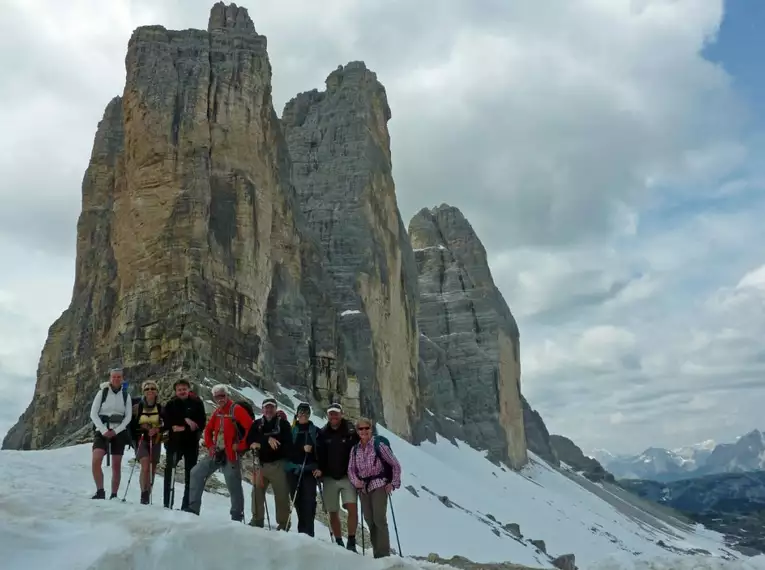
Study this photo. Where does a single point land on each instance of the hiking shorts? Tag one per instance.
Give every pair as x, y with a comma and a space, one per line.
335, 490
143, 451
116, 445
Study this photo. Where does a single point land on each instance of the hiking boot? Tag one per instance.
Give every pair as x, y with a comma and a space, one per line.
237, 518
113, 496
145, 497
339, 541
351, 544
100, 494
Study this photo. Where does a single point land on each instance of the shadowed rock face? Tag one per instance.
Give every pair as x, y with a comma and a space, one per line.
341, 168
537, 436
469, 340
190, 252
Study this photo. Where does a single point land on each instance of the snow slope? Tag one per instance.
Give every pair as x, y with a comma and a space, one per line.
48, 521
458, 506
459, 503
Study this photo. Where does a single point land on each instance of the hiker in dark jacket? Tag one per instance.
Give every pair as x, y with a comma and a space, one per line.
184, 421
270, 437
303, 468
336, 439
370, 460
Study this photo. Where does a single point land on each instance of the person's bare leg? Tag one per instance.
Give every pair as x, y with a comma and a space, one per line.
353, 518
334, 524
145, 477
116, 473
98, 473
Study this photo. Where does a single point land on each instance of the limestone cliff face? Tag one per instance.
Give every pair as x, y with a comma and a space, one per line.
469, 340
190, 253
341, 168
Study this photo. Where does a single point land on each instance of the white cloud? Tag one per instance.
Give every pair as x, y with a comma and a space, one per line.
581, 143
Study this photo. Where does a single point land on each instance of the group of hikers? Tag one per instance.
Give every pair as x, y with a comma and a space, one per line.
346, 462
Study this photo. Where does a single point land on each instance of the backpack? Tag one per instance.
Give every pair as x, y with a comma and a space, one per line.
240, 431
313, 432
105, 392
134, 427
387, 473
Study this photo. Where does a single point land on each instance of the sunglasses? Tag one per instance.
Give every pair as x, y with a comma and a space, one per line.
150, 389
365, 428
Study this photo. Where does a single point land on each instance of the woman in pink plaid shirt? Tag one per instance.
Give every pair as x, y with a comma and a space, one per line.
375, 472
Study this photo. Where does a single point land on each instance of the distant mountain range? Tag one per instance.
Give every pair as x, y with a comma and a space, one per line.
730, 503
746, 454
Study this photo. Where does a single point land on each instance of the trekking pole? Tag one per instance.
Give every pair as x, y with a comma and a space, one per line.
132, 469
395, 527
324, 508
363, 540
171, 457
256, 471
108, 447
297, 489
151, 466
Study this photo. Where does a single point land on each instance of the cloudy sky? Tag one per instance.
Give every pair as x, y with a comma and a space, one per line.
609, 153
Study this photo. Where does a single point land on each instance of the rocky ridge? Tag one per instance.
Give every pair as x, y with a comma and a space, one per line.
192, 258
217, 241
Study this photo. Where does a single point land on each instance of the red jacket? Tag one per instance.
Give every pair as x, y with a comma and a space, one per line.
223, 415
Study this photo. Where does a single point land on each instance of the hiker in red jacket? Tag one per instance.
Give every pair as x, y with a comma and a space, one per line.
225, 440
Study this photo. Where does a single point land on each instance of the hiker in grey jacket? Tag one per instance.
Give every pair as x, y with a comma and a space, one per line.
110, 413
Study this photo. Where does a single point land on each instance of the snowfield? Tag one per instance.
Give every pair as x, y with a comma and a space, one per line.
455, 503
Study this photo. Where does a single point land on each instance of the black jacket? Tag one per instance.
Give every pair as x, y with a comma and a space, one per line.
303, 434
175, 413
262, 429
335, 449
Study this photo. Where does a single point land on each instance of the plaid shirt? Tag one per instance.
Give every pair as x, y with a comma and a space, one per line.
364, 464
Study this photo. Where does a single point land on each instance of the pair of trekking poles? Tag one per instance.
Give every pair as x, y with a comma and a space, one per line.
395, 526
153, 473
324, 508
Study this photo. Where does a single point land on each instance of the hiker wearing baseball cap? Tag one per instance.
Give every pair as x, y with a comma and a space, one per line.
303, 468
270, 438
336, 439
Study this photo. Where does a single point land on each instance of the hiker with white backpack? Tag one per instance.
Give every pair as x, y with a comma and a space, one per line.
111, 413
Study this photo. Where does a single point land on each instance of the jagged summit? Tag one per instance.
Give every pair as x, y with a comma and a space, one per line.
339, 144
469, 340
229, 17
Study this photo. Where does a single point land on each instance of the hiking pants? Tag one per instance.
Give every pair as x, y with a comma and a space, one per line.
305, 500
273, 474
374, 505
232, 473
190, 455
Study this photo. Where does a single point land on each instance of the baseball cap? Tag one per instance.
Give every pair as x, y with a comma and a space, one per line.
269, 402
335, 407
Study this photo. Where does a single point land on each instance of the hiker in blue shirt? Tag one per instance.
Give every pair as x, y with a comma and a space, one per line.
303, 468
